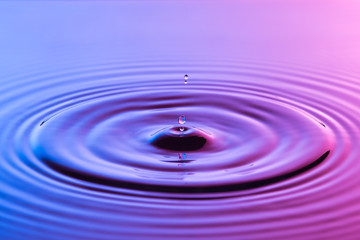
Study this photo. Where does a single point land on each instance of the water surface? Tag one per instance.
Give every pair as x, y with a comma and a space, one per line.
179, 120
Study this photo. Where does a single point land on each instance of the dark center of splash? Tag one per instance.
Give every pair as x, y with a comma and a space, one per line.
180, 139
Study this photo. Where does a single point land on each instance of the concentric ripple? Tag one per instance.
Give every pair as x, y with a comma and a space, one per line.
269, 136
106, 138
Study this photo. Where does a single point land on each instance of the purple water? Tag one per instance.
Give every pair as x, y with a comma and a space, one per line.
138, 120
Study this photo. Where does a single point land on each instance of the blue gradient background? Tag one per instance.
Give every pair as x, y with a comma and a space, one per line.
57, 32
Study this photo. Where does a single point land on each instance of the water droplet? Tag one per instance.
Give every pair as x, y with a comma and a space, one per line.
186, 77
181, 129
182, 119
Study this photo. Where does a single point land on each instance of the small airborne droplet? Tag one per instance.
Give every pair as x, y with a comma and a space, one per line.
186, 77
182, 119
181, 129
